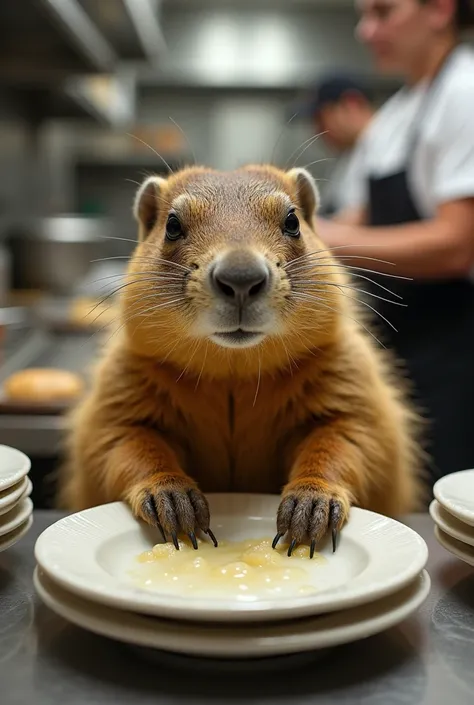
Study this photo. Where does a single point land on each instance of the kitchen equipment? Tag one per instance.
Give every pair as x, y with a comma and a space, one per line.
5, 274
55, 253
13, 326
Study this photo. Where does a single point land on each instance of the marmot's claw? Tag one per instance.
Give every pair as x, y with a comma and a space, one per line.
174, 536
212, 537
334, 540
192, 536
335, 511
176, 509
276, 540
160, 528
308, 512
149, 508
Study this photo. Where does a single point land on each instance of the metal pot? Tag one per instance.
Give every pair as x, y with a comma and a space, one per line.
55, 253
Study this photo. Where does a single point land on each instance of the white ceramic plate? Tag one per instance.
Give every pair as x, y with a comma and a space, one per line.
450, 525
91, 552
14, 536
13, 493
16, 516
21, 490
235, 641
456, 493
457, 548
14, 465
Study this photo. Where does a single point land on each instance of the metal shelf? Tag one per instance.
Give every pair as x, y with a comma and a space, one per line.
48, 40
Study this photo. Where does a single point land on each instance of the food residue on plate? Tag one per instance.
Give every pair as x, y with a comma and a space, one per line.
246, 571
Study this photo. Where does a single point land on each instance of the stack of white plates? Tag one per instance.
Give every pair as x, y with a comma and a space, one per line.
375, 579
16, 507
453, 513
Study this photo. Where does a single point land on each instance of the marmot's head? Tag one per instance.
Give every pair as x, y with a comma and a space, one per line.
229, 261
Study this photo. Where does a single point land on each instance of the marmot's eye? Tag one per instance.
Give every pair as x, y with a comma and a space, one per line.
174, 229
292, 225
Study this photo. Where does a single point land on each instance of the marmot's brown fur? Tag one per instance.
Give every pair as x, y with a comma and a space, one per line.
241, 366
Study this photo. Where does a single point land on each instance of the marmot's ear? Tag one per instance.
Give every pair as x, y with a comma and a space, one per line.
147, 204
308, 192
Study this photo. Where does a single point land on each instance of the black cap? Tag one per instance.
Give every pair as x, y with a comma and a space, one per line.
329, 89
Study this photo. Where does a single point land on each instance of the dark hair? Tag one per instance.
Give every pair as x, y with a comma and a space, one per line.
331, 88
464, 14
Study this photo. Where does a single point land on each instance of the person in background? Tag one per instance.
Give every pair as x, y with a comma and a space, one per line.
415, 212
340, 109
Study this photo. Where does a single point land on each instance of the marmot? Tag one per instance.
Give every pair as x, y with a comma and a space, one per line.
241, 366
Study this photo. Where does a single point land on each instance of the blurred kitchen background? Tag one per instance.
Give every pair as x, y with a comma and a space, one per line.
83, 85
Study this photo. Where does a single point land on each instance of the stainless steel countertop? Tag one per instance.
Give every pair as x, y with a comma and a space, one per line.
427, 660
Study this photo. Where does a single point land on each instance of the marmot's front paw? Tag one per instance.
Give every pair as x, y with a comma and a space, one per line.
174, 504
310, 508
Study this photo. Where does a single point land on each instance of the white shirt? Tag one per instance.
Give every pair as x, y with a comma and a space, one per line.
343, 187
441, 167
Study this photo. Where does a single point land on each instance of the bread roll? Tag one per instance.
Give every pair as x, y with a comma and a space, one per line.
43, 385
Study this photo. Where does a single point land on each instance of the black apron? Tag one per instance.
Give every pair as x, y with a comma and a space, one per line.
434, 337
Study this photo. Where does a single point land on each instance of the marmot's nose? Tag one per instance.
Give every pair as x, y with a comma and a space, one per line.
240, 281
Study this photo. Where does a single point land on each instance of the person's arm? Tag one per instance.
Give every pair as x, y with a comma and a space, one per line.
442, 247
354, 187
350, 216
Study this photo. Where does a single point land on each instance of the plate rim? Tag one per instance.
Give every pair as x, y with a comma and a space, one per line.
446, 541
12, 497
24, 495
466, 516
111, 592
24, 467
320, 637
24, 509
444, 525
22, 531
